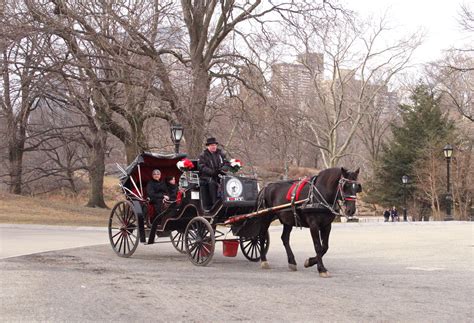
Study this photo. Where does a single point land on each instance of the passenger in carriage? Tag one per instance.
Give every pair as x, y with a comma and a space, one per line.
157, 191
172, 187
211, 163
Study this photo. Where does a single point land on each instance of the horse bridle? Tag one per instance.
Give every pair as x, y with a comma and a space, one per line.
340, 194
340, 189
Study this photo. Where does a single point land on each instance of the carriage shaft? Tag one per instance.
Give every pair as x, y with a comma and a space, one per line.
262, 212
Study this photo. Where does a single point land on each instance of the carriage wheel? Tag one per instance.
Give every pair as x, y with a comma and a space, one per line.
123, 229
251, 247
177, 239
199, 240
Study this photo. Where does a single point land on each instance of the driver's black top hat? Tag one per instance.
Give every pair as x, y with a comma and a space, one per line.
211, 141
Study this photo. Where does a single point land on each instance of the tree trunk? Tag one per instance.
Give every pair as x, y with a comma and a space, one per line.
15, 154
131, 151
136, 142
196, 120
70, 179
16, 146
195, 135
96, 170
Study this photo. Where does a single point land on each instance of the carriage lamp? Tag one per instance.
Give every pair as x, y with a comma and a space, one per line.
405, 180
177, 131
448, 153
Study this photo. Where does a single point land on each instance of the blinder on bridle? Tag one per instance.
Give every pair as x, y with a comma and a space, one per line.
348, 189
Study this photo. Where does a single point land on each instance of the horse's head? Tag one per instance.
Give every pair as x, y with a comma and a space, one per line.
348, 188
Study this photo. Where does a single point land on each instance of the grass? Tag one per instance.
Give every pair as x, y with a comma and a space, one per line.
58, 209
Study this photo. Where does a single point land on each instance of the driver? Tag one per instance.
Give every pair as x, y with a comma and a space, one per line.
211, 163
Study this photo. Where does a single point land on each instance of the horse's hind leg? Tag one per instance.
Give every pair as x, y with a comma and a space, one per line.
285, 237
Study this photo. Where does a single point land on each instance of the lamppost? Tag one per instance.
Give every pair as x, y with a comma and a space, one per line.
448, 152
405, 181
177, 131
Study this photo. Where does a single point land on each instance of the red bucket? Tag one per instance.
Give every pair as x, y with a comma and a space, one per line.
230, 248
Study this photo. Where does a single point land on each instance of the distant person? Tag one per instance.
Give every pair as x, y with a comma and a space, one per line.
394, 214
157, 191
211, 163
386, 215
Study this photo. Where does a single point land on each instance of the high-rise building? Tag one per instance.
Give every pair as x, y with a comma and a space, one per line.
295, 82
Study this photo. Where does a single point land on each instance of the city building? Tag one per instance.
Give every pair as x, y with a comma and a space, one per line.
295, 82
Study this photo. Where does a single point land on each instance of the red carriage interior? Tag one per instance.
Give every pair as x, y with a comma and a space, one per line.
167, 166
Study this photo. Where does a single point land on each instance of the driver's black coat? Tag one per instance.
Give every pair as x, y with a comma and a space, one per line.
212, 164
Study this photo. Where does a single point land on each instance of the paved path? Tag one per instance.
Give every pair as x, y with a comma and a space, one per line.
381, 272
18, 240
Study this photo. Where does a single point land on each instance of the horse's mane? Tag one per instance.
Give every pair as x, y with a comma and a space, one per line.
330, 173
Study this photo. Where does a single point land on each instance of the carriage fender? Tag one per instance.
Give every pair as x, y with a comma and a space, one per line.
137, 209
190, 210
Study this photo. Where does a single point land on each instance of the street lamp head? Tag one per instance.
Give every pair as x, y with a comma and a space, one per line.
177, 131
448, 151
405, 179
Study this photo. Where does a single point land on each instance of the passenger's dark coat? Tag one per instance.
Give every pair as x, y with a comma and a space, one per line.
172, 191
156, 190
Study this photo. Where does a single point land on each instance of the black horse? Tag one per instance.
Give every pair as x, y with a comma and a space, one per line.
323, 193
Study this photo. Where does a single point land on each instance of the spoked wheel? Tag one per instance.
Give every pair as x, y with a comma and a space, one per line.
251, 247
199, 241
123, 229
177, 239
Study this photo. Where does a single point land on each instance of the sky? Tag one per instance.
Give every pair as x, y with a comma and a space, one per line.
437, 18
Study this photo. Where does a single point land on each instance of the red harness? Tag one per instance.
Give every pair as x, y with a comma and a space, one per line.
298, 186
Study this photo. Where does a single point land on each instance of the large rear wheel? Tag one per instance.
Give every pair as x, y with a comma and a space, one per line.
123, 229
199, 241
177, 239
251, 247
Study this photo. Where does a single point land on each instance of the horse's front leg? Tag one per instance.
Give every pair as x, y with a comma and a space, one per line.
318, 247
325, 231
285, 237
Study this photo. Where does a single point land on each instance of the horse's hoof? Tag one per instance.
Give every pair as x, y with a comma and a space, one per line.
292, 267
306, 263
264, 265
324, 274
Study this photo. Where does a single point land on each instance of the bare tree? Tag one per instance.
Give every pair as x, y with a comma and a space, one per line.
466, 17
22, 51
196, 40
455, 73
455, 79
361, 67
60, 151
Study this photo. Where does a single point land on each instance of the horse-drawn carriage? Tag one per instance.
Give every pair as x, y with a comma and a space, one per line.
313, 202
190, 228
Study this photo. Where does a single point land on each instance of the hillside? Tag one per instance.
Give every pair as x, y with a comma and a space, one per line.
58, 209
